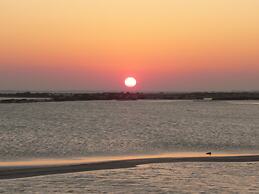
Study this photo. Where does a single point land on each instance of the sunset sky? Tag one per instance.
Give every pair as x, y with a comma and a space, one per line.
167, 45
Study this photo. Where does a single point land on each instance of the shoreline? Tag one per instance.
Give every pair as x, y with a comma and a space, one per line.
30, 97
23, 171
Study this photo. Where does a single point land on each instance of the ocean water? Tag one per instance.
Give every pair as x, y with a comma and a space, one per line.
108, 128
79, 129
153, 178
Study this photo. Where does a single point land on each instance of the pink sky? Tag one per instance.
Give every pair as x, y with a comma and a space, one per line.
167, 45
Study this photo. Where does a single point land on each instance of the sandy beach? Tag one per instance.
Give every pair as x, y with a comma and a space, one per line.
13, 171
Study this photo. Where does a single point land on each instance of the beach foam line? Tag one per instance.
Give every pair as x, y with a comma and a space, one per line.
14, 172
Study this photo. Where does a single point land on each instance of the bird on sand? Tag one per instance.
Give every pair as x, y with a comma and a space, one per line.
208, 153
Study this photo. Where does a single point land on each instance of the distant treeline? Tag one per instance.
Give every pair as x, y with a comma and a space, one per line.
47, 97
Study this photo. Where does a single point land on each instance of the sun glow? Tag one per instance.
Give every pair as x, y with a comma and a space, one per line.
130, 82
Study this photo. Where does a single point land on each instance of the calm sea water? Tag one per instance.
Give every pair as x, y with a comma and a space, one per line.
68, 129
81, 129
154, 178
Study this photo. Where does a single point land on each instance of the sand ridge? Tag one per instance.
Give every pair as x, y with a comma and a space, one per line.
13, 172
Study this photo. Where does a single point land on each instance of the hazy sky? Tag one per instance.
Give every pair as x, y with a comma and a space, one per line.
168, 45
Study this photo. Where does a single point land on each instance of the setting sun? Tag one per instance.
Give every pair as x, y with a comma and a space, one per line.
110, 85
130, 82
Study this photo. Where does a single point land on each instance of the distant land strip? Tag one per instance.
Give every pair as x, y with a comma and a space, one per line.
32, 171
29, 97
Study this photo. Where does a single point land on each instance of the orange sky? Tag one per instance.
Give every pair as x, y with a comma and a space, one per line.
168, 45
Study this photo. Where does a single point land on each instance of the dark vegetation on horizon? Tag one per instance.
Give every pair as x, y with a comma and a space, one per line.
26, 97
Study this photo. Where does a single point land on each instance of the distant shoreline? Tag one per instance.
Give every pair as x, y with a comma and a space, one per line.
30, 97
14, 172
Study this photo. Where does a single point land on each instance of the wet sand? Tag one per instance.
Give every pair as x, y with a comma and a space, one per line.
13, 171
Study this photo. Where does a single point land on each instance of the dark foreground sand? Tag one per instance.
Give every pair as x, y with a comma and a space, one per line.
13, 172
